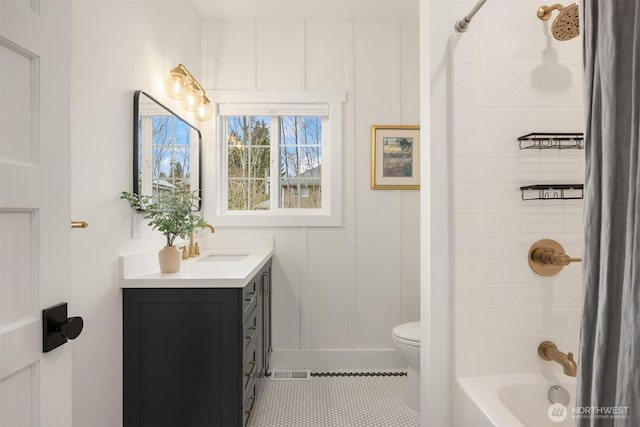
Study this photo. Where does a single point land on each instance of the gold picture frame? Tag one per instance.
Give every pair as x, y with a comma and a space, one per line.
395, 157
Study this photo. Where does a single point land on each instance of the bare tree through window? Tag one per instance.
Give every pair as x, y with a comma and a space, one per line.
171, 166
299, 151
300, 161
248, 139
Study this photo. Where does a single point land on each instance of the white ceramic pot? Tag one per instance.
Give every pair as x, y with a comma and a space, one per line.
170, 258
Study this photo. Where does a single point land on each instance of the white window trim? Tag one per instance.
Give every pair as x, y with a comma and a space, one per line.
330, 214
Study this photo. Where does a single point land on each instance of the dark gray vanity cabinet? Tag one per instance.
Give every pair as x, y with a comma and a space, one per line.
193, 356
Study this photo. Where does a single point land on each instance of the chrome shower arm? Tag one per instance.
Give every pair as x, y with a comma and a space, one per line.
463, 24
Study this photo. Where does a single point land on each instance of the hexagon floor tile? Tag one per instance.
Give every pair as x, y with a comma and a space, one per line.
364, 400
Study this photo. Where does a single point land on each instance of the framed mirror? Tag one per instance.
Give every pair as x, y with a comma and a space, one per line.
166, 149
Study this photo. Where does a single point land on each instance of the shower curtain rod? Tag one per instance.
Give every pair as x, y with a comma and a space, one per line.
463, 24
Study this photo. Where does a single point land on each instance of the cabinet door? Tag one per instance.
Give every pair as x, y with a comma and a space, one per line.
178, 347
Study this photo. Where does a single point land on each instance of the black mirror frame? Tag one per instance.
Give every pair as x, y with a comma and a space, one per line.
136, 142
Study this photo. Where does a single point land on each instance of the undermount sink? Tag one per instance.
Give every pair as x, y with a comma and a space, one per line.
223, 258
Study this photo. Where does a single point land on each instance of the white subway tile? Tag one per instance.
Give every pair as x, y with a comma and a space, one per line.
503, 309
466, 145
471, 297
472, 348
515, 346
515, 296
500, 171
513, 366
497, 196
470, 322
498, 145
470, 368
472, 272
465, 119
470, 171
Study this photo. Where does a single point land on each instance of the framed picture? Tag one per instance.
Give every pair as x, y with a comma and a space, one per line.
395, 157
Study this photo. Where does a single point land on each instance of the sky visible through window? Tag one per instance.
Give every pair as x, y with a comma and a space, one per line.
171, 166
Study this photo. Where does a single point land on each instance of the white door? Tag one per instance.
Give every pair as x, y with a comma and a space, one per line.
35, 387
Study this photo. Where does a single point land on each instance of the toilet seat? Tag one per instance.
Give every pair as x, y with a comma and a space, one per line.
408, 333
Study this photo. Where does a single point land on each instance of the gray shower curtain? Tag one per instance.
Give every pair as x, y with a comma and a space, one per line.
609, 364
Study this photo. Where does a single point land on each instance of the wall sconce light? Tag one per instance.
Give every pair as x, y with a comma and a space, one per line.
182, 86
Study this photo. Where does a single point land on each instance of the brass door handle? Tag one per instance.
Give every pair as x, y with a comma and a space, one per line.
79, 224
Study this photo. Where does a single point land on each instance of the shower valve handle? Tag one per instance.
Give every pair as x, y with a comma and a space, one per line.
547, 257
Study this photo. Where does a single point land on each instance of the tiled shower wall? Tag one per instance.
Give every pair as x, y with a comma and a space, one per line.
505, 87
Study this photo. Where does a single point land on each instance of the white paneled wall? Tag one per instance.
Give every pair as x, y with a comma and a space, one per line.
505, 87
340, 288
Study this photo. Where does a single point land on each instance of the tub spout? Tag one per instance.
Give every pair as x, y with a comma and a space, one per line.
549, 351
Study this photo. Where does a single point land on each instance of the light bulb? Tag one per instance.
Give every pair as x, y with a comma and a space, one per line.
174, 84
204, 110
192, 97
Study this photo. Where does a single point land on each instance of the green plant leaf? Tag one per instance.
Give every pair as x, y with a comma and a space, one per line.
170, 213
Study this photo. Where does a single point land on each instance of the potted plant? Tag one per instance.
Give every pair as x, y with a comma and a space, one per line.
172, 214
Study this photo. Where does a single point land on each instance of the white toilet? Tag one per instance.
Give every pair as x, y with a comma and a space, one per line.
406, 338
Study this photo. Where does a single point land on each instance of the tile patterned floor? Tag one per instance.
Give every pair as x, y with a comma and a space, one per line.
335, 401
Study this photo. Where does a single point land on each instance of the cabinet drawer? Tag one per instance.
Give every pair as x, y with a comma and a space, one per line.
250, 332
249, 299
250, 349
249, 372
249, 403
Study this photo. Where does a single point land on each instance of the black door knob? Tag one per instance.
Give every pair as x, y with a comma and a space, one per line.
71, 327
57, 328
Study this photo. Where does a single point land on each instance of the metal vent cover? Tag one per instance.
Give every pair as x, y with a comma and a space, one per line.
291, 375
307, 375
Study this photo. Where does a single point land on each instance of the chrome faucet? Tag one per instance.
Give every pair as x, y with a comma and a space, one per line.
549, 351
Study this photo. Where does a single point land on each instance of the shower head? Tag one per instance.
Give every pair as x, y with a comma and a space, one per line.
566, 25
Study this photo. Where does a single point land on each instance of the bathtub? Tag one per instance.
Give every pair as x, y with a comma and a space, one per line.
509, 401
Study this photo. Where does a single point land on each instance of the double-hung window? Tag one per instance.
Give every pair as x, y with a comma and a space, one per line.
278, 158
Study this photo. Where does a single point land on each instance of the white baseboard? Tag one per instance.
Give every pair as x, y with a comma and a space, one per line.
336, 359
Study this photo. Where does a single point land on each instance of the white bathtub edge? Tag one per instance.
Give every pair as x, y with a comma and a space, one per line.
478, 397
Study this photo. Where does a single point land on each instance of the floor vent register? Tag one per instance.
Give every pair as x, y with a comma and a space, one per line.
291, 375
306, 375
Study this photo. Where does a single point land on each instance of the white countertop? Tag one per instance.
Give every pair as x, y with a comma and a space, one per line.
236, 261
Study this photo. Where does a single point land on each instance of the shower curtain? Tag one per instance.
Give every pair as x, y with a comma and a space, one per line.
609, 364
